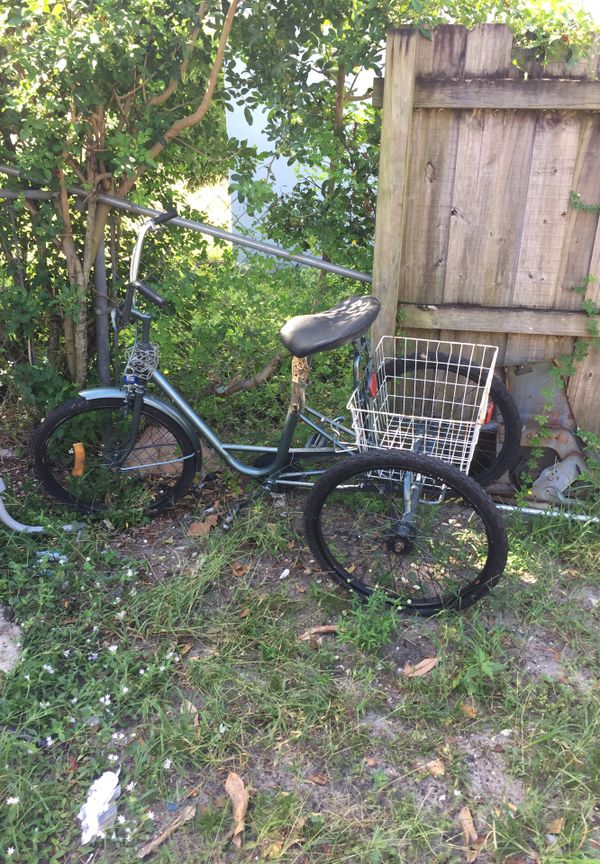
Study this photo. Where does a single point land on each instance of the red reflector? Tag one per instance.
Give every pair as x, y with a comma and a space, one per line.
490, 411
373, 385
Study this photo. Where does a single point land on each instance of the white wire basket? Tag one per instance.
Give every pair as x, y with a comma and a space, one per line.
427, 396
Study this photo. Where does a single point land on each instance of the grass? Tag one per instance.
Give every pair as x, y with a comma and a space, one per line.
178, 661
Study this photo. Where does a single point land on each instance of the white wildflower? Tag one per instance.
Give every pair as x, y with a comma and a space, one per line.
150, 815
113, 648
131, 786
124, 689
112, 757
48, 668
121, 614
13, 799
167, 764
10, 850
105, 700
49, 741
121, 819
66, 652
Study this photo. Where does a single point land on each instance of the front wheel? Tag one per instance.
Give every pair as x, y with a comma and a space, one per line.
79, 456
409, 526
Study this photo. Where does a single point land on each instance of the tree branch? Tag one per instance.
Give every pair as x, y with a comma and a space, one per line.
237, 385
194, 118
161, 98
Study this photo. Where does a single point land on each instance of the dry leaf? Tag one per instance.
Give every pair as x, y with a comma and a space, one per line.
318, 779
185, 814
421, 668
556, 826
200, 529
436, 768
234, 786
469, 710
244, 613
371, 762
469, 833
190, 708
317, 631
185, 649
240, 569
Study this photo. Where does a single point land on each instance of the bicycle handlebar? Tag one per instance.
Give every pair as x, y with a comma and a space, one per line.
164, 217
150, 294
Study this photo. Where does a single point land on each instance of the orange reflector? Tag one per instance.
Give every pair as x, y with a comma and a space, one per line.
79, 460
490, 411
373, 385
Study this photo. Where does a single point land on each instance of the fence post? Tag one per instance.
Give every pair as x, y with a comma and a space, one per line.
398, 100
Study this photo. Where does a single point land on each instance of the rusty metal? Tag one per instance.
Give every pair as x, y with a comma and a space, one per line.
300, 372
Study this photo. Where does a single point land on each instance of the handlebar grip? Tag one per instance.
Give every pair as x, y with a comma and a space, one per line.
150, 294
164, 217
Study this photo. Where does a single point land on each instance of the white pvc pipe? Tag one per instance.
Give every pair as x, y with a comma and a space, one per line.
12, 523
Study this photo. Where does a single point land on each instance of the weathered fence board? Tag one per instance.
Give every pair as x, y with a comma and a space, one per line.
539, 94
486, 164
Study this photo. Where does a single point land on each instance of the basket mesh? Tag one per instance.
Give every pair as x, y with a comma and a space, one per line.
426, 396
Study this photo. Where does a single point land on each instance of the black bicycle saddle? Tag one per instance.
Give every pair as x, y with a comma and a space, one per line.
344, 322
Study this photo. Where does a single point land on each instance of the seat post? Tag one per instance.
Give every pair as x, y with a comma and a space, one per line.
300, 372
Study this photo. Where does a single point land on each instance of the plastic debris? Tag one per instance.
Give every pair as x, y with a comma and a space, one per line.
100, 810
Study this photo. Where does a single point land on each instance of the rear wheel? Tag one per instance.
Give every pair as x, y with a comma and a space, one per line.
78, 457
445, 554
497, 449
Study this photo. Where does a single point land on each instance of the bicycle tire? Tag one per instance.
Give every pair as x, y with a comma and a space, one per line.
151, 486
358, 541
490, 461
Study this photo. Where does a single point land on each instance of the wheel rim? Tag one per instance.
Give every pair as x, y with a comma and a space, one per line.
367, 541
84, 458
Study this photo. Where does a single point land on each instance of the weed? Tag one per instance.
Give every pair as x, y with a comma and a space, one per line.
369, 625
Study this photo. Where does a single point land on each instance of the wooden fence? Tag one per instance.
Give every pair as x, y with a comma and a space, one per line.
477, 238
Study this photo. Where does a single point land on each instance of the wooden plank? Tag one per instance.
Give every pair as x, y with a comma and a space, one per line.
431, 174
584, 386
548, 322
475, 269
442, 56
393, 174
541, 94
486, 219
581, 227
430, 191
542, 251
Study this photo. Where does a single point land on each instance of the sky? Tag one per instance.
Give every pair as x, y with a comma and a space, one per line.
593, 7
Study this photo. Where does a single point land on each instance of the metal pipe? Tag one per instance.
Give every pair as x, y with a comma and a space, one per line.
101, 312
270, 249
534, 511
